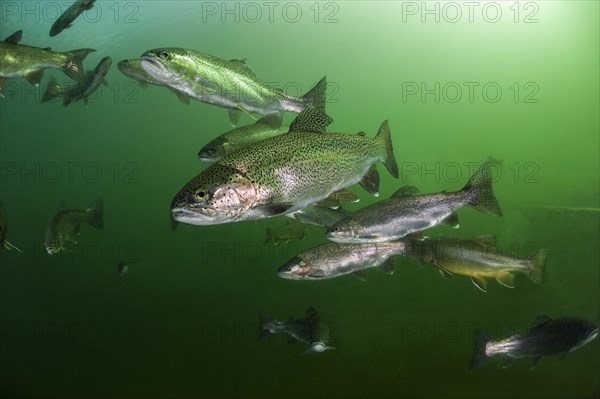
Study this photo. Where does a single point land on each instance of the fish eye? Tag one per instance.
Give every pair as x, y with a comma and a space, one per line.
211, 150
336, 229
201, 195
164, 55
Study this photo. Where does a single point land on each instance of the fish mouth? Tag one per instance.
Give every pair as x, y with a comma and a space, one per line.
156, 69
207, 217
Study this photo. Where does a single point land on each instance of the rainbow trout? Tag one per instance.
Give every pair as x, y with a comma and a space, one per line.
285, 173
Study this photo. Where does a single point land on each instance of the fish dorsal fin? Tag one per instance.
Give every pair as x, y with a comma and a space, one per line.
451, 221
405, 191
486, 240
311, 312
539, 320
241, 67
273, 121
370, 181
310, 120
15, 38
480, 283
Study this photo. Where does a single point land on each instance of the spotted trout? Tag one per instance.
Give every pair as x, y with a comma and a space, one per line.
285, 173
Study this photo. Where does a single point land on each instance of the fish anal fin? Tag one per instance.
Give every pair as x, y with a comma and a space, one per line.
360, 274
344, 195
234, 116
445, 273
35, 77
370, 181
480, 283
388, 265
451, 221
507, 280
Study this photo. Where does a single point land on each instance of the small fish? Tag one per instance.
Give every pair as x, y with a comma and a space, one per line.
18, 60
321, 216
228, 84
284, 174
81, 91
133, 69
66, 225
286, 232
546, 337
122, 269
310, 330
479, 259
332, 260
65, 20
3, 231
406, 212
233, 140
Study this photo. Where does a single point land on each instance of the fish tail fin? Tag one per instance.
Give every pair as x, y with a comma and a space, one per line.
97, 214
73, 67
481, 192
263, 320
385, 137
53, 90
479, 356
316, 97
536, 266
10, 246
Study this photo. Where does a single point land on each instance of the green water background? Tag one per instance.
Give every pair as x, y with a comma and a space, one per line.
183, 323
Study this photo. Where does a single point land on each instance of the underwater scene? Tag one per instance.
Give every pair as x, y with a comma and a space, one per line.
299, 199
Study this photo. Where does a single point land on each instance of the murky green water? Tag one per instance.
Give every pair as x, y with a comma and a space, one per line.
517, 81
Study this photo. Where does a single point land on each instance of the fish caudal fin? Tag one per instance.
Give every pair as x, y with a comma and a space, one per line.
316, 96
53, 90
73, 68
536, 266
481, 192
263, 320
97, 214
385, 137
479, 356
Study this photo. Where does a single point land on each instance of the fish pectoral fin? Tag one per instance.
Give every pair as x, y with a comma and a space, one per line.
35, 77
143, 84
536, 360
507, 280
405, 191
85, 101
370, 181
360, 274
15, 38
181, 97
563, 355
271, 210
445, 273
480, 283
10, 246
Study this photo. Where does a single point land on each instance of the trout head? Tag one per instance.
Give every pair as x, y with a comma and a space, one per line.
219, 194
170, 66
